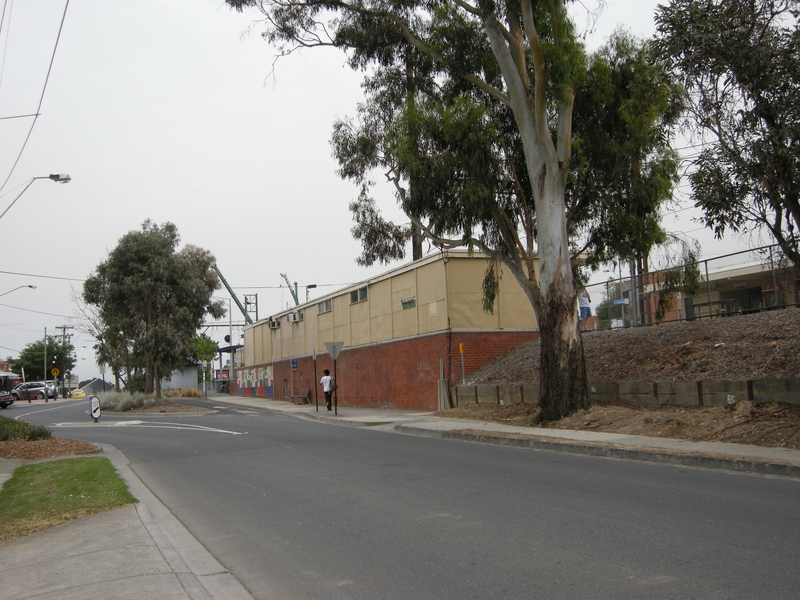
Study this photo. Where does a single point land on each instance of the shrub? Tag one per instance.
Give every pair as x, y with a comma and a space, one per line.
20, 430
123, 401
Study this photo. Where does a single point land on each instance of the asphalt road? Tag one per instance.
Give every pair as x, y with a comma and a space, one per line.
299, 509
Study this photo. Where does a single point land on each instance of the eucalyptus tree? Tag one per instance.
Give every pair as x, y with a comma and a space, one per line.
483, 141
151, 299
740, 62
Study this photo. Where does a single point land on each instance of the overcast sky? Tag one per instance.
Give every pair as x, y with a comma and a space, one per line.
165, 110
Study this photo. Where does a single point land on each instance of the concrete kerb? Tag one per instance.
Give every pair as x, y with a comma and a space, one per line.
201, 575
606, 450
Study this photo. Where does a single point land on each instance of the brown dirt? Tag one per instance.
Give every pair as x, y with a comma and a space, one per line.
40, 449
758, 346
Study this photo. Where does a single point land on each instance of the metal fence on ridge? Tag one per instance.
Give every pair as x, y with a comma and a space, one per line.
743, 282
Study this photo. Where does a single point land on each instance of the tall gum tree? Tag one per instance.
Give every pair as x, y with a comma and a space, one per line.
531, 74
740, 63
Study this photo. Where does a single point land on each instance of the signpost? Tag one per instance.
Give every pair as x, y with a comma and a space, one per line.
316, 384
333, 349
95, 407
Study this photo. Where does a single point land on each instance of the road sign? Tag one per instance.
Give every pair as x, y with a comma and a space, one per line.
94, 412
54, 372
333, 348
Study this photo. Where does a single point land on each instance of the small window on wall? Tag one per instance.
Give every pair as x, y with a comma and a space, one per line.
409, 302
324, 306
358, 295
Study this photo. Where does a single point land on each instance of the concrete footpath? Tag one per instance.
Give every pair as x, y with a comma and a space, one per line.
143, 551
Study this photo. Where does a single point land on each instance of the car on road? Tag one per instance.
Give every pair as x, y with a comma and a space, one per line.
6, 399
33, 390
78, 393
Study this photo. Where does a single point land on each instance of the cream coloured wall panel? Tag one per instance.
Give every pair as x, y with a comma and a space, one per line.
359, 322
432, 297
404, 321
250, 347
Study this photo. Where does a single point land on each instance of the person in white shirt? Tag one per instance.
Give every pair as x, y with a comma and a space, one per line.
326, 387
584, 303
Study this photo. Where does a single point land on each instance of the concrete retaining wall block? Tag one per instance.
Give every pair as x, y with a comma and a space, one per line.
637, 392
530, 393
603, 392
720, 393
777, 390
510, 394
487, 394
678, 393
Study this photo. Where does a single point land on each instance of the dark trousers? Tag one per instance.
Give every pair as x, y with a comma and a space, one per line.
328, 399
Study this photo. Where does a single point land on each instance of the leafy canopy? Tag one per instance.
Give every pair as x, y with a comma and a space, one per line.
740, 62
152, 298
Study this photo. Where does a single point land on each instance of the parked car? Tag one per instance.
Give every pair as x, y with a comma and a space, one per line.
33, 390
6, 399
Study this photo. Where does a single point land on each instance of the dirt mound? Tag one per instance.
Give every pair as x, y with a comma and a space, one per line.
758, 346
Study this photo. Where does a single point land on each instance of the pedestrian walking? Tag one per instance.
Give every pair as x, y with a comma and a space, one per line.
325, 382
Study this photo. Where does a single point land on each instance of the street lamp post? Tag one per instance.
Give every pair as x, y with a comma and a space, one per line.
57, 177
33, 287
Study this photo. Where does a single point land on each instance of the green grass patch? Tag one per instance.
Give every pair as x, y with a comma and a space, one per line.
20, 430
47, 494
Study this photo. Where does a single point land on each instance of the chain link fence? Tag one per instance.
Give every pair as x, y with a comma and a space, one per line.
744, 282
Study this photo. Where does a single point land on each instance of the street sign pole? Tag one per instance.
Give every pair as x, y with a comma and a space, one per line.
335, 391
316, 384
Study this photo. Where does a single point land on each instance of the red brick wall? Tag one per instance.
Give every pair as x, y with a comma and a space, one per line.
399, 374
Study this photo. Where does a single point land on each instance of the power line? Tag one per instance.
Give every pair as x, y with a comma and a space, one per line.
38, 312
41, 98
42, 276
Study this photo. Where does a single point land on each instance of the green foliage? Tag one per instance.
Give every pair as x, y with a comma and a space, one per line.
32, 359
21, 430
204, 348
622, 170
491, 286
151, 299
740, 62
46, 494
124, 401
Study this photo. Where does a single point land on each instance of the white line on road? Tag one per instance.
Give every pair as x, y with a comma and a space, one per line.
149, 425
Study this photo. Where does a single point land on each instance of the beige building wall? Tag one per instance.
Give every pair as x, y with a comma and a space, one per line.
427, 296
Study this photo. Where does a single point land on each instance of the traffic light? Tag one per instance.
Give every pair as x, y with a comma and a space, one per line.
53, 361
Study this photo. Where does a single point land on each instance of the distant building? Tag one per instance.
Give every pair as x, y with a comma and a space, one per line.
399, 330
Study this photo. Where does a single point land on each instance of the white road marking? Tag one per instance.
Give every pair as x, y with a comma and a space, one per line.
148, 425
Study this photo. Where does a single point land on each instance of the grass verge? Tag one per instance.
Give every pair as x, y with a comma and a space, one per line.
47, 494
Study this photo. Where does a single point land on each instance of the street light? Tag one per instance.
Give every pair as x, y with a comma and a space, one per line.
310, 286
57, 177
33, 287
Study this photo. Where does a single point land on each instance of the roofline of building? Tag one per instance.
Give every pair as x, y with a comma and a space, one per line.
404, 268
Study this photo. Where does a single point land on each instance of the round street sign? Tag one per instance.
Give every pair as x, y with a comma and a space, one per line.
55, 372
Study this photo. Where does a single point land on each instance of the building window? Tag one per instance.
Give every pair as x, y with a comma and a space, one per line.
324, 306
408, 303
358, 295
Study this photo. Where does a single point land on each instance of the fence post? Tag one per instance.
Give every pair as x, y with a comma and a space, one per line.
708, 291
